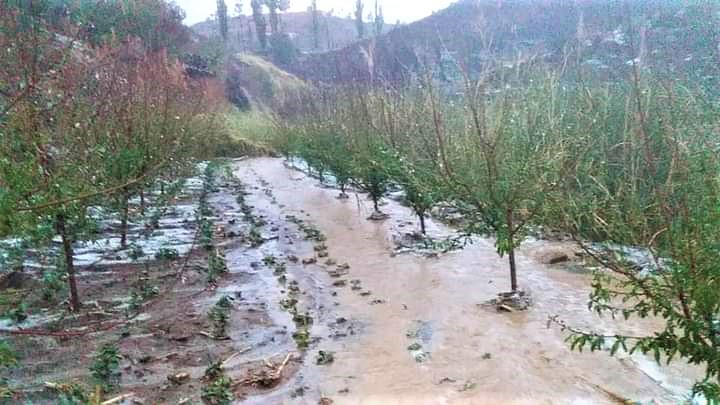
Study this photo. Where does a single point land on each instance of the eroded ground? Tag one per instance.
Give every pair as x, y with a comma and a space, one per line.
308, 273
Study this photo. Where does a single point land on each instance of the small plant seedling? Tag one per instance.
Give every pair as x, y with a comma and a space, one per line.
269, 260
213, 371
136, 252
217, 265
218, 392
302, 338
52, 285
225, 302
104, 368
167, 254
255, 237
302, 320
219, 318
324, 358
17, 314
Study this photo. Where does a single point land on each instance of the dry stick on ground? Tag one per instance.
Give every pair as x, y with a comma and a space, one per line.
269, 377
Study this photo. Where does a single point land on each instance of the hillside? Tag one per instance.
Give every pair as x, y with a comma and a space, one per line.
335, 32
607, 35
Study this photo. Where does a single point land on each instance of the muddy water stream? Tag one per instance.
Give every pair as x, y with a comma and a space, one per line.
461, 352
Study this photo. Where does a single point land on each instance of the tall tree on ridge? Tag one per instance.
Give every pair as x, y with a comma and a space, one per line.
260, 23
222, 18
274, 6
359, 23
315, 24
379, 19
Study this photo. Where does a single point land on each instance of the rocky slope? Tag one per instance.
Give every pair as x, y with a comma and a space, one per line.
607, 36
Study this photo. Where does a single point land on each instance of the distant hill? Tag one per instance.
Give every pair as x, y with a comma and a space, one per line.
672, 36
335, 32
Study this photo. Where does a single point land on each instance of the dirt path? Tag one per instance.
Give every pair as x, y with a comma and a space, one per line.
463, 353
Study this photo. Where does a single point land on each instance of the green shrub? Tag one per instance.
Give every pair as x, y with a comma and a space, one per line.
105, 367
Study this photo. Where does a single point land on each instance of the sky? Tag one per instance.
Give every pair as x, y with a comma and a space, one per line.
404, 10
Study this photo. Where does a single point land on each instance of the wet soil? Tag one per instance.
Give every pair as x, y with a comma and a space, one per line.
421, 334
308, 273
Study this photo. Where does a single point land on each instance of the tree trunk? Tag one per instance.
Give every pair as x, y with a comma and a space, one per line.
69, 261
124, 221
375, 202
513, 271
422, 223
511, 253
142, 202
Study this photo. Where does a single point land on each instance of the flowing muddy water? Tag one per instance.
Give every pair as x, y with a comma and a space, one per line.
414, 330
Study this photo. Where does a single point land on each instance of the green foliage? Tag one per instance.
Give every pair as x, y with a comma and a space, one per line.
158, 23
17, 314
105, 367
216, 265
218, 392
214, 371
370, 172
60, 155
167, 254
8, 357
324, 358
136, 252
72, 394
652, 184
53, 283
142, 291
283, 50
219, 316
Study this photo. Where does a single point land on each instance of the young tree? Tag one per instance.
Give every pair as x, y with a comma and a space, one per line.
502, 168
359, 23
260, 23
222, 19
370, 173
415, 178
